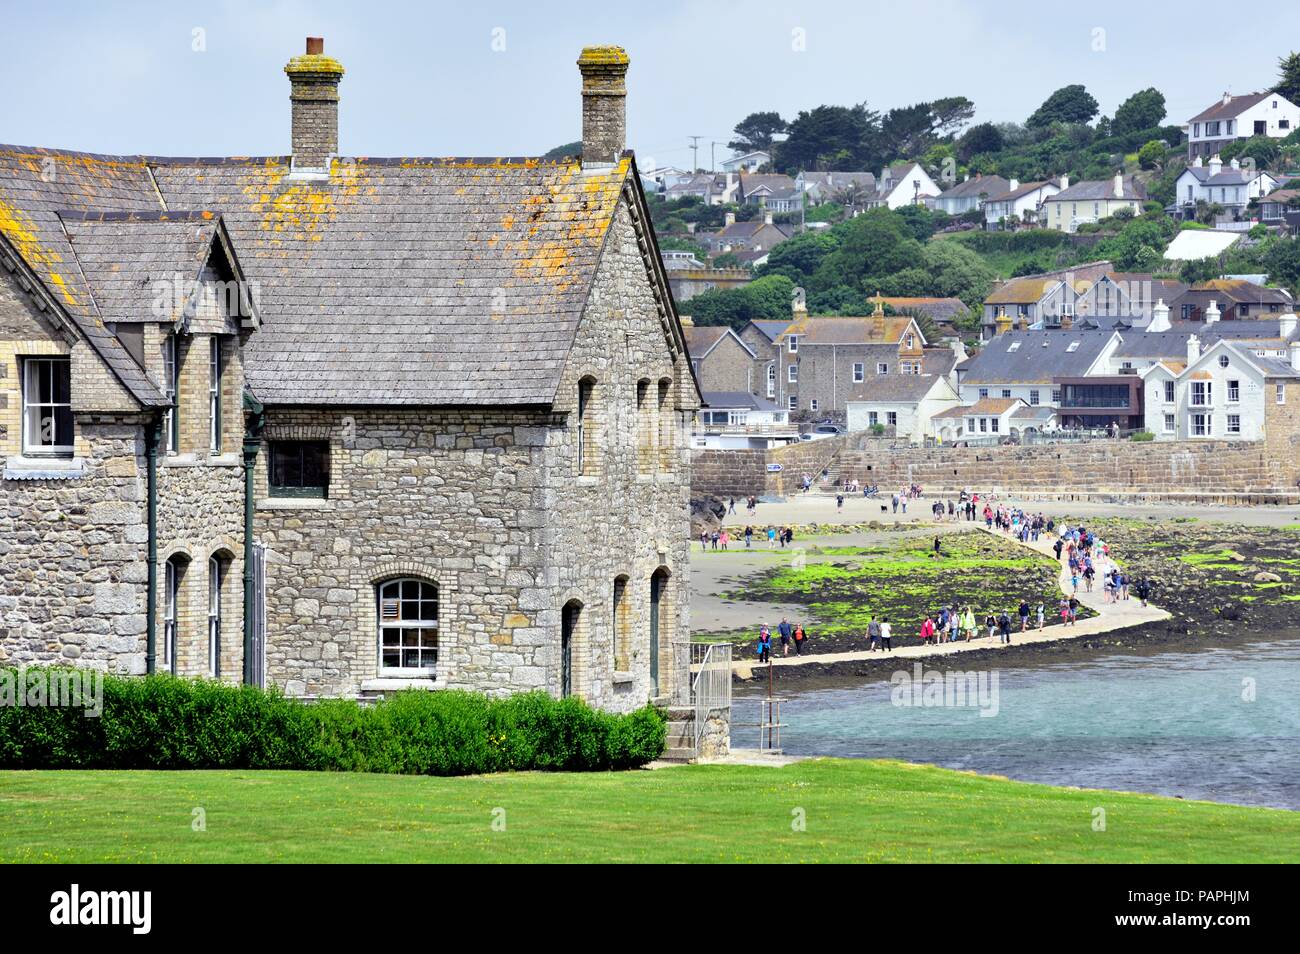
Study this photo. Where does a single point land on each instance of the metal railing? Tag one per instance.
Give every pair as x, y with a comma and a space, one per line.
710, 682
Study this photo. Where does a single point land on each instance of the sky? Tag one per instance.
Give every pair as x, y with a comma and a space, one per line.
483, 79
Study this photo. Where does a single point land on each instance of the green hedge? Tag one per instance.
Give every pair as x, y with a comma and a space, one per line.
163, 722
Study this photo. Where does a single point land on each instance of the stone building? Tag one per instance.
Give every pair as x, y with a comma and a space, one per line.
346, 425
721, 360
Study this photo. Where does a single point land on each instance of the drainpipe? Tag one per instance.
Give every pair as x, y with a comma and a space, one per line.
152, 438
252, 444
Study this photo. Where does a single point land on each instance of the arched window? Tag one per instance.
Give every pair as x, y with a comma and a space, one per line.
665, 435
588, 462
771, 380
622, 625
645, 428
174, 573
408, 626
660, 624
570, 645
217, 567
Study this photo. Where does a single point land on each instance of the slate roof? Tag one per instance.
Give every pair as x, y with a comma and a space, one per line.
771, 329
124, 255
393, 281
1237, 290
1093, 190
701, 339
938, 360
1234, 107
893, 388
940, 309
839, 331
1225, 176
991, 186
1040, 357
737, 399
35, 185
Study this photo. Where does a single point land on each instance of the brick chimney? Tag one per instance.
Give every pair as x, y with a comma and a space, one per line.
314, 99
604, 100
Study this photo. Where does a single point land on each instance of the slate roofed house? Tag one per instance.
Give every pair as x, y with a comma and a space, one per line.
1026, 364
774, 191
758, 235
1281, 207
1021, 202
1046, 300
417, 363
970, 194
721, 360
1240, 117
903, 404
988, 420
944, 312
1229, 299
1212, 183
1092, 201
819, 187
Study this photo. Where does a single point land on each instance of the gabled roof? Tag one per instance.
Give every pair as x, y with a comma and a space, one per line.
35, 186
1225, 176
989, 186
702, 339
850, 331
771, 329
1235, 106
940, 309
1020, 191
1035, 357
1021, 291
986, 406
1239, 290
1099, 189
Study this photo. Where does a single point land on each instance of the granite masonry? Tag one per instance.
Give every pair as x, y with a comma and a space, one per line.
457, 388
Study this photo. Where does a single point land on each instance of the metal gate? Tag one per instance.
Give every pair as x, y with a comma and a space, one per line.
257, 617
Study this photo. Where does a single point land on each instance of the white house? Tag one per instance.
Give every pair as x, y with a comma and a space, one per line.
1232, 187
1022, 201
749, 162
1240, 117
970, 194
904, 183
988, 420
1224, 392
904, 403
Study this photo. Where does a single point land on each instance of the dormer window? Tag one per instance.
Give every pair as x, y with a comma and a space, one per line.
794, 344
1013, 347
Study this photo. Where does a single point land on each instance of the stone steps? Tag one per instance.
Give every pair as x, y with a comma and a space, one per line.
679, 743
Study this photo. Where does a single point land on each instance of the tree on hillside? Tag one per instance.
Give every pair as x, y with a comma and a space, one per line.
568, 149
757, 131
984, 137
1289, 78
906, 132
1069, 104
1152, 155
1263, 150
836, 138
799, 257
1143, 110
874, 245
766, 298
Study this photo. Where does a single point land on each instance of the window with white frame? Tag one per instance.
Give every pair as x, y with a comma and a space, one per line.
792, 373
891, 418
771, 380
910, 367
983, 392
1223, 360
812, 405
216, 578
984, 425
1281, 393
993, 424
1056, 395
1202, 393
1033, 396
1169, 423
408, 626
882, 367
793, 344
792, 403
1169, 392
873, 418
1201, 425
1234, 423
171, 419
171, 611
47, 406
1234, 392
214, 394
859, 372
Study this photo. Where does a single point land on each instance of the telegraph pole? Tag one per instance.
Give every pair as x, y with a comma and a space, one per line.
695, 153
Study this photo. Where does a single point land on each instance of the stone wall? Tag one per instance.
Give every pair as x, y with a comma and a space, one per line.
729, 367
727, 473
1093, 467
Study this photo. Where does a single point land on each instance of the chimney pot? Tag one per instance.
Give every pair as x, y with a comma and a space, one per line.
314, 102
1295, 355
604, 104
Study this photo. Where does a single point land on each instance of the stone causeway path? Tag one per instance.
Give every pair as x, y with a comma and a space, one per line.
1110, 617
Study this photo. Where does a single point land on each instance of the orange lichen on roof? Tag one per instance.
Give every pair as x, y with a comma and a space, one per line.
19, 228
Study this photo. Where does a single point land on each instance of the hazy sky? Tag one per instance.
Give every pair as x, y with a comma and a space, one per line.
425, 79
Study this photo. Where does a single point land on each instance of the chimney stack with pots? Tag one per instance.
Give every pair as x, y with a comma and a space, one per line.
1193, 349
314, 101
1159, 317
604, 104
1119, 185
1212, 313
1295, 355
1286, 325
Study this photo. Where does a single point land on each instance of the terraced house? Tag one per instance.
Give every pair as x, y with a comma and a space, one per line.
345, 425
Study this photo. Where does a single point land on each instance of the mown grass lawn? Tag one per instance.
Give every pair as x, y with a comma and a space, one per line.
853, 810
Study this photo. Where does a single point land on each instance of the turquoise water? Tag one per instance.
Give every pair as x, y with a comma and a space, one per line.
1221, 724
